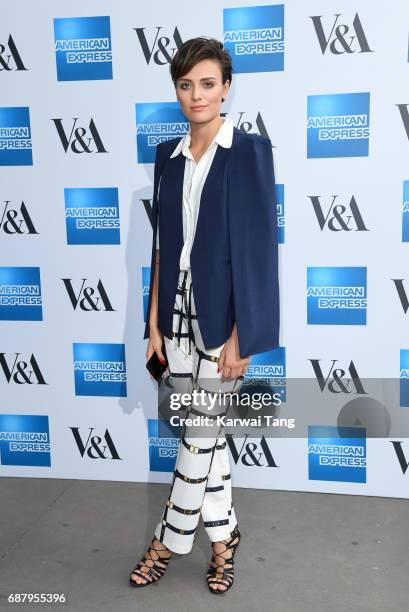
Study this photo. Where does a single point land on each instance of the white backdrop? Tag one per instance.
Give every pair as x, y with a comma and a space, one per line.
114, 430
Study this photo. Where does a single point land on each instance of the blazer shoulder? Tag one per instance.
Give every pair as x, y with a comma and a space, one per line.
249, 139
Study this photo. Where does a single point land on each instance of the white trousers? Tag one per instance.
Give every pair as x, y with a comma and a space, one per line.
201, 483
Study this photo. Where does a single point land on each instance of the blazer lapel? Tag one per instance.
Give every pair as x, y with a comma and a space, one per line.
171, 197
211, 196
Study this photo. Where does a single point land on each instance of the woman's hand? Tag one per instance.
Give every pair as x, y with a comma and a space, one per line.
230, 361
155, 344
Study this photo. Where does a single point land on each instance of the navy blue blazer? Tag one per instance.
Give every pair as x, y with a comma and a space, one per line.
234, 256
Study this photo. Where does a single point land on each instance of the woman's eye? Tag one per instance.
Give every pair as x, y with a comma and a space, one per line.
185, 85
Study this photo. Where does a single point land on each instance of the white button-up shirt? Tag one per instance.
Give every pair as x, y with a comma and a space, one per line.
193, 181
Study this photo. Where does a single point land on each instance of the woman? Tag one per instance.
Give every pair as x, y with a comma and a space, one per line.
214, 302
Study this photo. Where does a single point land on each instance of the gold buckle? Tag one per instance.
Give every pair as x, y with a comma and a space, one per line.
170, 504
182, 531
185, 478
188, 512
163, 522
194, 449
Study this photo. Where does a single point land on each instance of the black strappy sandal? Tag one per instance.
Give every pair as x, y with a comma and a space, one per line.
155, 571
223, 573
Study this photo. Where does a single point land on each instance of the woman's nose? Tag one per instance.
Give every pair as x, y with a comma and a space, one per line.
195, 94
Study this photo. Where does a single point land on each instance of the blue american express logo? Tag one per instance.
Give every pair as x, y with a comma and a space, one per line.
337, 453
15, 137
83, 48
20, 294
336, 295
156, 122
100, 369
92, 215
254, 37
24, 440
338, 125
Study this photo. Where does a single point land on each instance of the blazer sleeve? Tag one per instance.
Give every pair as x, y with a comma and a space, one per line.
253, 244
159, 163
157, 224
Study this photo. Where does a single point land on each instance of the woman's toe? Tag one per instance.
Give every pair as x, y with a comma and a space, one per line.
137, 578
218, 586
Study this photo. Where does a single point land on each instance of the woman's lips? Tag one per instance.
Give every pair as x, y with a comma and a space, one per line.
198, 108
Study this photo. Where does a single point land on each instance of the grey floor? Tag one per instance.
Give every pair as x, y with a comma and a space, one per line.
299, 552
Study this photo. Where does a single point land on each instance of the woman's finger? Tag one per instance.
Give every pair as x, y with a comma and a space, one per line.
227, 372
220, 364
160, 355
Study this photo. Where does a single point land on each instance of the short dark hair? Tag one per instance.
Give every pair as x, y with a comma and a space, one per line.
197, 49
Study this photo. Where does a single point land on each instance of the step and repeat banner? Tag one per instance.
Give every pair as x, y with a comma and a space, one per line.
86, 96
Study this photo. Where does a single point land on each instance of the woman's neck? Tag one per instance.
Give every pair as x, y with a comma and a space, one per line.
202, 134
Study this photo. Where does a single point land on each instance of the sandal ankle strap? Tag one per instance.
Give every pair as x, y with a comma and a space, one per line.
159, 550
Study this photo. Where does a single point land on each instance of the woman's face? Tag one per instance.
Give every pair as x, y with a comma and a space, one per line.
200, 91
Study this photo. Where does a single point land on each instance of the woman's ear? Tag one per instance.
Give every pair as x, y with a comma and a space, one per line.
223, 99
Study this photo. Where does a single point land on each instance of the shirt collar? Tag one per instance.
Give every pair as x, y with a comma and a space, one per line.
224, 137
